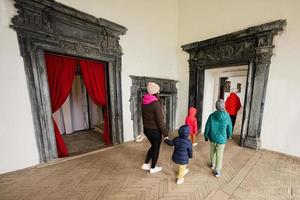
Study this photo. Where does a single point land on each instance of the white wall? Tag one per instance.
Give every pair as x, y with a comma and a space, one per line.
18, 147
210, 80
200, 19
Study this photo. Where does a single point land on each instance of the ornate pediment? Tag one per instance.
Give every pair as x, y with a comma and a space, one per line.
223, 53
73, 30
237, 47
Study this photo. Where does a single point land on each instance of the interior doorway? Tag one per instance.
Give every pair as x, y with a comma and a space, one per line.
252, 47
79, 101
80, 120
219, 83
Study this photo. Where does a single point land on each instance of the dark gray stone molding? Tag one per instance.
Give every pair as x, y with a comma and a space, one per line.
139, 87
48, 26
253, 47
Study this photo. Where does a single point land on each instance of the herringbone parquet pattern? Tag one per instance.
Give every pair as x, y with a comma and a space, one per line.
115, 173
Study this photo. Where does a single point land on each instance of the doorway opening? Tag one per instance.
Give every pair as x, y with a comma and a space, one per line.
79, 101
219, 84
252, 47
80, 120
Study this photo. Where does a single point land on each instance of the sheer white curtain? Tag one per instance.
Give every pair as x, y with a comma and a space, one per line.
73, 115
77, 109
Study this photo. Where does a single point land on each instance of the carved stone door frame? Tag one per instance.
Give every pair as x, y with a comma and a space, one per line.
48, 26
167, 89
252, 47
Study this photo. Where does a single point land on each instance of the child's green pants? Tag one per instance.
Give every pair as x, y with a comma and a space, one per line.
216, 155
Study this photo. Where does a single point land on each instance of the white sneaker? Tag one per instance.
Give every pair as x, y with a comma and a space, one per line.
195, 144
155, 169
186, 171
212, 166
217, 174
146, 166
179, 181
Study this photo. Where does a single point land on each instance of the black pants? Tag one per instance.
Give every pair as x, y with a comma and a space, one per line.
233, 118
154, 137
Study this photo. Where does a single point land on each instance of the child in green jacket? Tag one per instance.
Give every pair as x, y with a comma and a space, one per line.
218, 129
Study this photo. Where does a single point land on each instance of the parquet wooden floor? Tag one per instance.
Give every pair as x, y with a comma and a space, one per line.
84, 141
115, 173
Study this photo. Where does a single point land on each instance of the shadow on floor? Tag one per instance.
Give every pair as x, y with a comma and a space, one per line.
236, 140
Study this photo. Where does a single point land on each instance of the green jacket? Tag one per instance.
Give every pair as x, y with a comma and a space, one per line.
218, 127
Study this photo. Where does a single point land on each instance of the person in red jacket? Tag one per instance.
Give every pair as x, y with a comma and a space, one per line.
191, 121
232, 105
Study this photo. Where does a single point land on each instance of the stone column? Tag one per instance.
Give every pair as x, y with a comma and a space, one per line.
196, 88
192, 83
200, 95
262, 60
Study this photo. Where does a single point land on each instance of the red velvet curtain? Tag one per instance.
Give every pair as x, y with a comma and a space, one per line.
93, 74
61, 72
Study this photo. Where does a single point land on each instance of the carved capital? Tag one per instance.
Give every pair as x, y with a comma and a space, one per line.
263, 55
193, 65
265, 40
264, 58
19, 18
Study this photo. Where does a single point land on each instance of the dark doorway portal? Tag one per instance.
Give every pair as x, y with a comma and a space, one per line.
49, 26
252, 47
220, 83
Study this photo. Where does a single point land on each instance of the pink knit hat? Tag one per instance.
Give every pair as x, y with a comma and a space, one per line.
152, 88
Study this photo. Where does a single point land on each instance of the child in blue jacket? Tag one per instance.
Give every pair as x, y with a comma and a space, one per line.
183, 151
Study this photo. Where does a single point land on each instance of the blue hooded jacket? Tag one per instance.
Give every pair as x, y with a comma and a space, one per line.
183, 147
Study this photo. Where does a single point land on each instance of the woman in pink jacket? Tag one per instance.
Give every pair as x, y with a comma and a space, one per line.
191, 121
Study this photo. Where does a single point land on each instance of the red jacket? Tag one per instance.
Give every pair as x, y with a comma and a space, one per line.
191, 121
232, 104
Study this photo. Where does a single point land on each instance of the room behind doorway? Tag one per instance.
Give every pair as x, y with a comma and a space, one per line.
81, 118
218, 84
